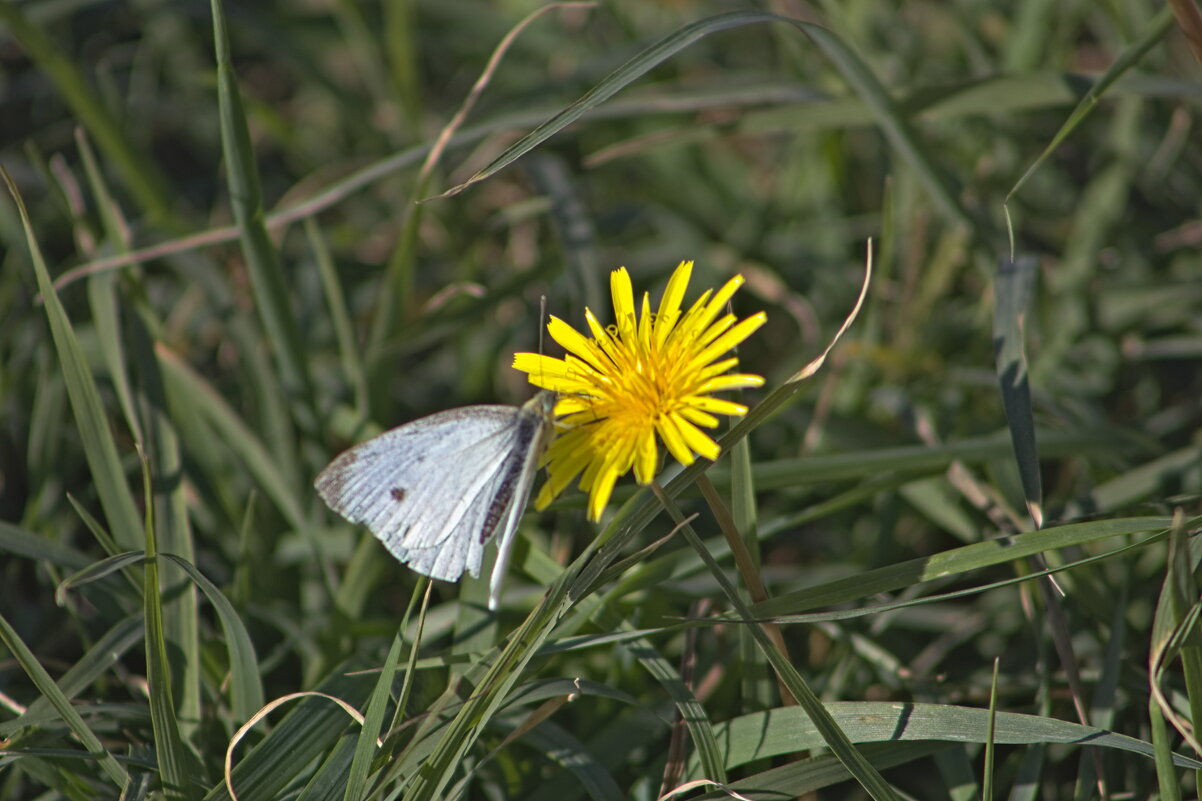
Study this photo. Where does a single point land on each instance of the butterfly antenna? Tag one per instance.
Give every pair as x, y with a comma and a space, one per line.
542, 321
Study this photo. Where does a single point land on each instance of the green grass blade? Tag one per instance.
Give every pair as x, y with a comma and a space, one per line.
566, 749
307, 732
99, 446
62, 704
954, 562
803, 777
101, 657
366, 746
17, 541
178, 766
235, 433
1012, 293
141, 176
246, 688
786, 730
262, 261
853, 69
832, 735
1156, 29
691, 710
348, 348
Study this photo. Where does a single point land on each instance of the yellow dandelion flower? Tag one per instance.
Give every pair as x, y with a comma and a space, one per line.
647, 378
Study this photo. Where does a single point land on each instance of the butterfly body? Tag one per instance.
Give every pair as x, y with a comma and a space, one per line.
435, 490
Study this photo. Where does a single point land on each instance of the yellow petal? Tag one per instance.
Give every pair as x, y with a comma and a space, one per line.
669, 304
728, 340
697, 441
647, 457
717, 406
622, 294
695, 415
674, 441
732, 381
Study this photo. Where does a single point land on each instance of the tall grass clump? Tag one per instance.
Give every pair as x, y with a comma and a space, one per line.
951, 555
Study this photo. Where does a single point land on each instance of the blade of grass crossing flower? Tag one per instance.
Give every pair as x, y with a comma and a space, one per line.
1012, 294
178, 766
832, 734
100, 450
61, 703
262, 261
143, 179
245, 682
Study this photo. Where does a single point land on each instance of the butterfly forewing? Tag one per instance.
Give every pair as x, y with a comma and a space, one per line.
417, 485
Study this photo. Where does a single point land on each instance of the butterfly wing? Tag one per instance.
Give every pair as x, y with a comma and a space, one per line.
536, 419
433, 490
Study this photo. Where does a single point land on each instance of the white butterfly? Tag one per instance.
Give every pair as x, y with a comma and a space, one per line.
435, 490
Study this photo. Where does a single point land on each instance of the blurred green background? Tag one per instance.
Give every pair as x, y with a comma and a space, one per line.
248, 284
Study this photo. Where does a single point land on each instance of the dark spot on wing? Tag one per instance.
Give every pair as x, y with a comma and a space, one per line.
398, 494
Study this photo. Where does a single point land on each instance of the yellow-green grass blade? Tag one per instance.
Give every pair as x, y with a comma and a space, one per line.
262, 261
100, 450
141, 176
787, 730
61, 703
1167, 778
329, 780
